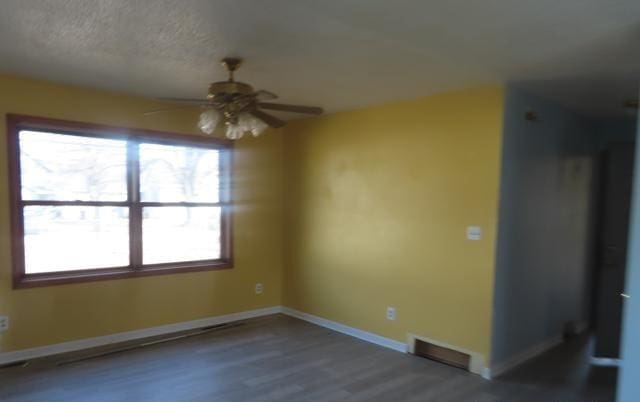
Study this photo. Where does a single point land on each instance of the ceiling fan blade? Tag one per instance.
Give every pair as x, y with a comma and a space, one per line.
264, 94
186, 100
267, 118
169, 109
290, 108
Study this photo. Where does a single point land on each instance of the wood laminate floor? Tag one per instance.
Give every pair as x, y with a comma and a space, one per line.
279, 358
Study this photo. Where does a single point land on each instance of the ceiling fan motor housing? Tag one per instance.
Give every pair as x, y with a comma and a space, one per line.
229, 88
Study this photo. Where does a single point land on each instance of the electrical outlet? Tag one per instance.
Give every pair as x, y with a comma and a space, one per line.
4, 323
474, 233
259, 288
391, 313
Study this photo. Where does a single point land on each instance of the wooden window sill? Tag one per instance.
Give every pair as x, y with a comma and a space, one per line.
93, 275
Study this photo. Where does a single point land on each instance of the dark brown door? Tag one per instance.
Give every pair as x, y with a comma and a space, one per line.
616, 201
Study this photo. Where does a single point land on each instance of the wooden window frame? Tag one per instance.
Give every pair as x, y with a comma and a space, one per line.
133, 136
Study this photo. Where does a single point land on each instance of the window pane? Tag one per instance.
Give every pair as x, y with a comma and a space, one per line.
173, 234
67, 167
75, 237
171, 173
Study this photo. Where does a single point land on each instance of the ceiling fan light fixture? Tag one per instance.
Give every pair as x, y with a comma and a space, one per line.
209, 121
234, 132
238, 105
252, 124
246, 123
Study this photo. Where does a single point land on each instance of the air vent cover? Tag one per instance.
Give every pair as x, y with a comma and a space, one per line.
442, 354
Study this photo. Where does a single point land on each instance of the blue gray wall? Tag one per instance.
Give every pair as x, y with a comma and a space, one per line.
547, 202
629, 386
615, 130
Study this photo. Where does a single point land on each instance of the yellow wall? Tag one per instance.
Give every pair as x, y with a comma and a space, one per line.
47, 315
377, 202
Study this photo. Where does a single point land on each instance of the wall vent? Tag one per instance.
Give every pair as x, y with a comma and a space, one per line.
126, 347
442, 354
21, 363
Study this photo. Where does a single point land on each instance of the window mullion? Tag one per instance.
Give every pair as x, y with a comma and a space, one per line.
224, 175
135, 209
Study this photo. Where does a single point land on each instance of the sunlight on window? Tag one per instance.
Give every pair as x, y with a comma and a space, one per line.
67, 168
171, 234
68, 238
95, 200
171, 173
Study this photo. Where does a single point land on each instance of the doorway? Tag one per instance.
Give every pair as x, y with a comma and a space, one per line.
562, 232
616, 186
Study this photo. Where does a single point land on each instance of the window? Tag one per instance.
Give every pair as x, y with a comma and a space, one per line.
95, 202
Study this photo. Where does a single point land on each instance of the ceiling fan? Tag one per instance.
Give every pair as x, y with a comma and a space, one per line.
238, 106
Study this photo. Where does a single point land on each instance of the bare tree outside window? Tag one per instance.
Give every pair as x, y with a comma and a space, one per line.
179, 174
118, 203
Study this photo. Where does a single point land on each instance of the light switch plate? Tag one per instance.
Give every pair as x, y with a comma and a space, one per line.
474, 232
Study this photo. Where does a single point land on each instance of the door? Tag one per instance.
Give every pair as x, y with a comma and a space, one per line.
616, 202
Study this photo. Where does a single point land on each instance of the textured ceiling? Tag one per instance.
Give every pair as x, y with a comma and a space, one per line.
340, 54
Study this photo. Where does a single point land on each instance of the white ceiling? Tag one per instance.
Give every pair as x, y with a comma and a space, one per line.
340, 54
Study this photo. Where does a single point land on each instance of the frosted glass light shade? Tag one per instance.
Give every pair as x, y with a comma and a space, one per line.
247, 123
252, 124
234, 131
209, 121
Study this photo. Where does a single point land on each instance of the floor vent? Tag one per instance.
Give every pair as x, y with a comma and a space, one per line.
22, 363
442, 354
157, 341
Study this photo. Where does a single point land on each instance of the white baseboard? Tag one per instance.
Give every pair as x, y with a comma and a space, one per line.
605, 361
525, 355
534, 351
71, 346
477, 365
347, 330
